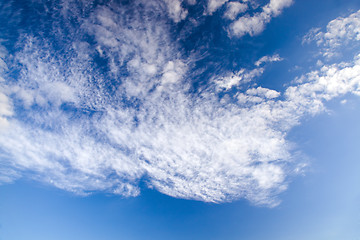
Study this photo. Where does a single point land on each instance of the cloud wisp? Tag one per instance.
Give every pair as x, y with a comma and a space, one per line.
83, 127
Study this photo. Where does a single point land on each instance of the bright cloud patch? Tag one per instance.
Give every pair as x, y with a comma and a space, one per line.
119, 108
175, 10
341, 31
255, 24
214, 5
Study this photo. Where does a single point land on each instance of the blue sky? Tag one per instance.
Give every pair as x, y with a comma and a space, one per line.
179, 119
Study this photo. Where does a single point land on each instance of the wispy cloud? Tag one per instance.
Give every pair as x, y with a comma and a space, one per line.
266, 59
255, 24
238, 78
85, 130
6, 109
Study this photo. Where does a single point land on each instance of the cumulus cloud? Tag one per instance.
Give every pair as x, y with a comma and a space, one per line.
83, 130
328, 82
339, 32
255, 24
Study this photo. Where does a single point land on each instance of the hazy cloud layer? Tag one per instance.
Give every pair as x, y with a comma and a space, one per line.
83, 129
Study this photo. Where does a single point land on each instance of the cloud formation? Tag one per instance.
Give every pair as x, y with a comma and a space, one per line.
253, 25
175, 10
266, 59
214, 5
83, 126
5, 104
234, 9
339, 32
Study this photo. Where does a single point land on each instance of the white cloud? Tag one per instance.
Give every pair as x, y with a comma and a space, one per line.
213, 5
314, 33
255, 24
266, 59
343, 29
238, 78
275, 7
327, 83
339, 32
234, 9
249, 25
175, 11
256, 96
6, 109
204, 150
182, 145
267, 93
172, 72
244, 75
144, 50
83, 130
